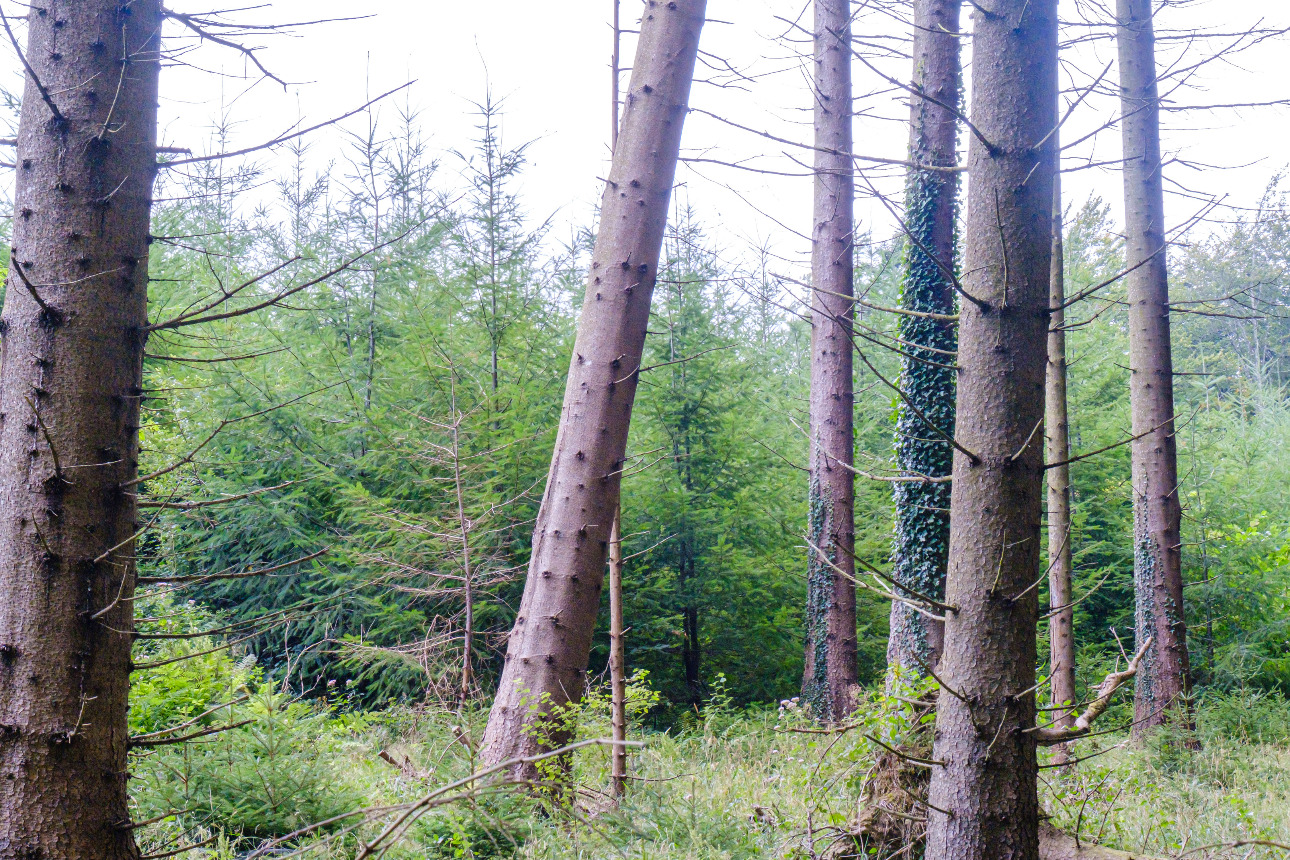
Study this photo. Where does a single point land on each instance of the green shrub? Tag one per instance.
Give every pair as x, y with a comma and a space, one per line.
1252, 716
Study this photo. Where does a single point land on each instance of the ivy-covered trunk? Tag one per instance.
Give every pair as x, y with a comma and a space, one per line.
550, 644
1164, 681
984, 801
831, 662
74, 323
922, 539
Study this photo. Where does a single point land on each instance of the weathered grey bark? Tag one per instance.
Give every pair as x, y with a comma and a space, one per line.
831, 662
1164, 682
70, 384
1061, 627
617, 659
988, 781
922, 535
546, 660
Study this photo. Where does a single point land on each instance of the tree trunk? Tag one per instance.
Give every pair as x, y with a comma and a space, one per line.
831, 661
617, 658
988, 781
1061, 627
922, 536
546, 660
70, 385
1164, 681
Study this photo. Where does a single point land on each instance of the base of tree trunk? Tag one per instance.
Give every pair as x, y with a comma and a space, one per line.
1056, 845
893, 816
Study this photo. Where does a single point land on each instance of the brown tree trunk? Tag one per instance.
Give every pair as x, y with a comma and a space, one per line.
987, 784
617, 658
70, 385
1164, 681
1061, 627
922, 536
831, 667
546, 660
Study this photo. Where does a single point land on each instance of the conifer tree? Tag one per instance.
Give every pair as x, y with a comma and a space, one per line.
549, 647
922, 539
831, 673
1164, 684
74, 326
984, 801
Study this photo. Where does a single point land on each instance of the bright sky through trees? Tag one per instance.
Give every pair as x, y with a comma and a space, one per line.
551, 64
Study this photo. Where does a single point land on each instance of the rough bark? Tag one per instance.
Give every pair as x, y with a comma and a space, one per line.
1165, 681
988, 780
1061, 627
546, 660
831, 662
70, 385
922, 536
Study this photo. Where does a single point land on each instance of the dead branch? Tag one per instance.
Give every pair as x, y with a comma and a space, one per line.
281, 139
211, 577
183, 850
44, 92
1084, 722
138, 743
192, 506
194, 721
227, 422
283, 295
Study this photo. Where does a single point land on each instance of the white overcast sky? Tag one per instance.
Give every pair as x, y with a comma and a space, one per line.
550, 63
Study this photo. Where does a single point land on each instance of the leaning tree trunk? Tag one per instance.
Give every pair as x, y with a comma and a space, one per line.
546, 659
70, 384
1061, 632
922, 537
1164, 680
984, 797
831, 668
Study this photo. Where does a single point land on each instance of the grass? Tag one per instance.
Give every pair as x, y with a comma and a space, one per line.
744, 785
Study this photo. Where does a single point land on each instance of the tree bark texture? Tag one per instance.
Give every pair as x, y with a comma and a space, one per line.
1164, 679
1061, 627
988, 780
831, 662
548, 650
70, 384
922, 535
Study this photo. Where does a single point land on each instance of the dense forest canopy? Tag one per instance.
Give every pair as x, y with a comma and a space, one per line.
351, 379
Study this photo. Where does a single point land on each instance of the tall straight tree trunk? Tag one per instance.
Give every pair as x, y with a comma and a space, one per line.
617, 659
1164, 681
831, 662
546, 659
987, 782
1061, 627
922, 537
70, 383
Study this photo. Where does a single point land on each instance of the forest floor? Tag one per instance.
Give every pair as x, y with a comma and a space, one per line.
738, 784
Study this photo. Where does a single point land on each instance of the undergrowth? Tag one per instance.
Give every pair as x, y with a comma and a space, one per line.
725, 785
